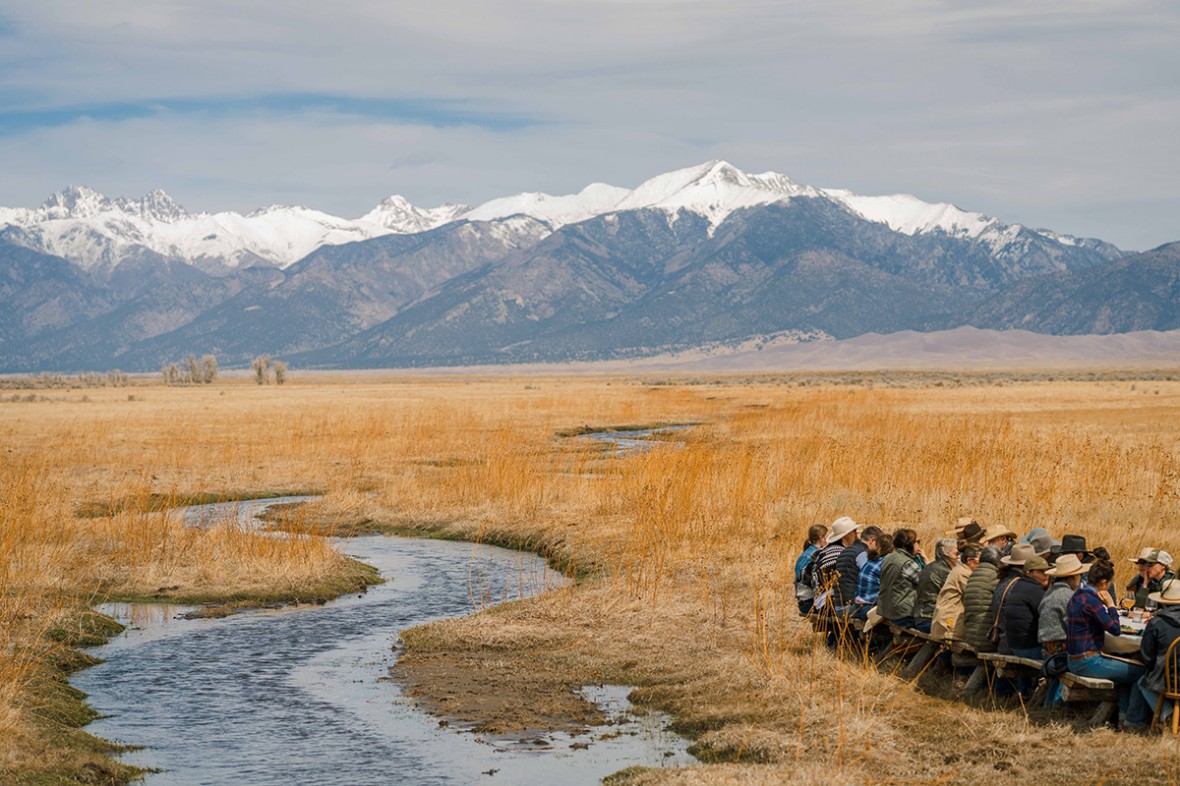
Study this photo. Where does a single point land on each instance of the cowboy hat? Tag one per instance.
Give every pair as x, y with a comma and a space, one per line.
1036, 563
1068, 565
1071, 544
841, 527
1021, 553
1148, 554
968, 529
1043, 543
997, 531
1169, 595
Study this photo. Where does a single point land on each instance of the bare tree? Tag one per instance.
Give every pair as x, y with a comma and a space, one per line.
261, 366
280, 369
208, 369
171, 374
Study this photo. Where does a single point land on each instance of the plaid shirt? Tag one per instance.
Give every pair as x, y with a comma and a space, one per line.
1086, 622
868, 585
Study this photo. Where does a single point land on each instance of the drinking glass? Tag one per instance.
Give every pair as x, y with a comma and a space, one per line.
1150, 606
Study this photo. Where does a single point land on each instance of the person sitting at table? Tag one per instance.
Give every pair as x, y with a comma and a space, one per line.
977, 599
930, 581
868, 585
1089, 616
804, 592
999, 536
1153, 567
847, 568
899, 580
1066, 575
1162, 629
1020, 614
949, 621
967, 529
1011, 569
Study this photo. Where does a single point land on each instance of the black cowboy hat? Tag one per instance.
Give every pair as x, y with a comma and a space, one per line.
1071, 544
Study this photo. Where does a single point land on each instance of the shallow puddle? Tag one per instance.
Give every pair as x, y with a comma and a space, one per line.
303, 695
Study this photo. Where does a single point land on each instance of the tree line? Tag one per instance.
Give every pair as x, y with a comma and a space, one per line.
203, 371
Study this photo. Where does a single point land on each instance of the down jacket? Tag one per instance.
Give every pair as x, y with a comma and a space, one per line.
1018, 618
977, 603
1162, 629
929, 584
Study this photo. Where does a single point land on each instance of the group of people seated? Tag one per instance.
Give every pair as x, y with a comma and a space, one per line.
1032, 597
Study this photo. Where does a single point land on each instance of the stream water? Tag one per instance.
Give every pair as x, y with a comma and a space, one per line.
303, 695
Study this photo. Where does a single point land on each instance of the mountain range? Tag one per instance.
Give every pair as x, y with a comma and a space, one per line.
701, 256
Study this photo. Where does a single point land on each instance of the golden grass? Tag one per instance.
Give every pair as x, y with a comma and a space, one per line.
690, 546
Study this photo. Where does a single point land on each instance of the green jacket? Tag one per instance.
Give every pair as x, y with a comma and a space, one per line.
899, 585
929, 583
977, 603
1143, 589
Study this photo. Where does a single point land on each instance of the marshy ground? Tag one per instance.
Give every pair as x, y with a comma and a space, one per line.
683, 554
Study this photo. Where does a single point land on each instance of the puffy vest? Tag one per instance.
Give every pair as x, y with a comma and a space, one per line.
845, 589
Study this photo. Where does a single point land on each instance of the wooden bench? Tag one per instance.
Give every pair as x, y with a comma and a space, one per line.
1012, 666
1076, 689
924, 646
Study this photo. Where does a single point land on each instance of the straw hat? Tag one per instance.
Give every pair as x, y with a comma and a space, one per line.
841, 527
1068, 565
1169, 596
998, 531
1021, 553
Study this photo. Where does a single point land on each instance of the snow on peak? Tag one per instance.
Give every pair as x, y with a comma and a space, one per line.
400, 215
714, 190
911, 216
593, 200
75, 202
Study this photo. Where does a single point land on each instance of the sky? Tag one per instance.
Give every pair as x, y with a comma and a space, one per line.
1063, 114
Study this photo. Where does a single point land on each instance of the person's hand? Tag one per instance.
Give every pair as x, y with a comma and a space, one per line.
918, 551
1104, 596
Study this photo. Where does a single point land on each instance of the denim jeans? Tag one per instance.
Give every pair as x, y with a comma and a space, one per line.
1026, 684
1132, 704
1151, 697
922, 625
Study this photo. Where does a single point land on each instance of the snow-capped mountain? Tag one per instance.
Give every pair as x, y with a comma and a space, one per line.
98, 233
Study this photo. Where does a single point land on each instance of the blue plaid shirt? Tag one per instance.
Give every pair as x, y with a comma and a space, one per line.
1086, 622
868, 584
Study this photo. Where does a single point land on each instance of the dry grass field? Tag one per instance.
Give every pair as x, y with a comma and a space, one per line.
684, 552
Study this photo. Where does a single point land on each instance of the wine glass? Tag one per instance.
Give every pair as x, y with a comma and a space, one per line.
1150, 606
1128, 601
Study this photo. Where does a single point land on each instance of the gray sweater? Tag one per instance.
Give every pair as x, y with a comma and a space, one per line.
1051, 612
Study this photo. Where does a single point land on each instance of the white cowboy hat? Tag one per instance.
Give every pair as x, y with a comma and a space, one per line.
1068, 565
1169, 595
841, 527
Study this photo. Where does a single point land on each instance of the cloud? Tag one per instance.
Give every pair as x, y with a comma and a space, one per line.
1037, 113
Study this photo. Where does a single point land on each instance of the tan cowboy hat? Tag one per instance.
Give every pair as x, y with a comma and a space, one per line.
841, 527
1169, 596
997, 531
1021, 553
1068, 565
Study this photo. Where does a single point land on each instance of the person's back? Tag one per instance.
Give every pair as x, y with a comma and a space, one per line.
847, 569
899, 580
1051, 615
932, 578
977, 601
1018, 620
1162, 629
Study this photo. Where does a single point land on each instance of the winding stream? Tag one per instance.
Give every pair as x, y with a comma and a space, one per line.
303, 695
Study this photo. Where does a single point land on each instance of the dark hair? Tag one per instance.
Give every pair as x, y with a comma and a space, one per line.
990, 555
905, 539
1100, 570
884, 546
968, 550
1100, 552
871, 531
815, 533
